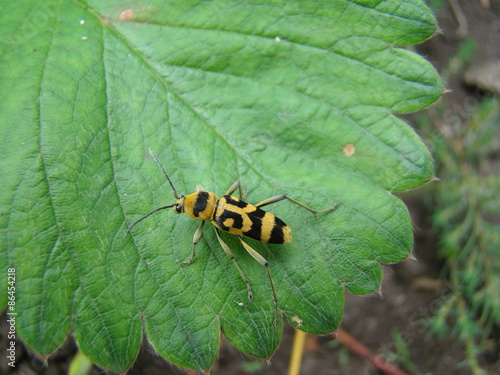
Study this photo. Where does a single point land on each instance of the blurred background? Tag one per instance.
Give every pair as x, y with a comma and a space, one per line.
439, 313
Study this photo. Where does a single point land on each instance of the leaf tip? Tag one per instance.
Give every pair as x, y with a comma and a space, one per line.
193, 372
438, 30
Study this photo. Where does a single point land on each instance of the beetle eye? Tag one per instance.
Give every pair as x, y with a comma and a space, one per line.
179, 208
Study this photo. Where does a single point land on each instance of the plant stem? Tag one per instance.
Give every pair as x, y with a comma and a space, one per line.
363, 351
297, 352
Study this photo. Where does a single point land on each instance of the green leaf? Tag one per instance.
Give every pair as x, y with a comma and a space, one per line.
293, 98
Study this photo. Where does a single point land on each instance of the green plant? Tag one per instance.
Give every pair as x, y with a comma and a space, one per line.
401, 354
466, 206
294, 97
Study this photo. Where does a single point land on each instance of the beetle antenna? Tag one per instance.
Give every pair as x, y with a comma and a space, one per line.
165, 173
145, 216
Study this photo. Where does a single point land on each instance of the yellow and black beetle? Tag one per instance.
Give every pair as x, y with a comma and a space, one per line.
233, 215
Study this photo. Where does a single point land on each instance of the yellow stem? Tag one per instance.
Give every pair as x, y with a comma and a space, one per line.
297, 352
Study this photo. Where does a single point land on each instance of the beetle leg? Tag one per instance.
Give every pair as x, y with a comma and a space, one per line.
232, 189
259, 258
229, 253
196, 238
281, 197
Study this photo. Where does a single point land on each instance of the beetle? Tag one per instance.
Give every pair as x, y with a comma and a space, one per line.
233, 215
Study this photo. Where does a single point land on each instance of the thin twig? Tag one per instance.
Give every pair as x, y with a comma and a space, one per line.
363, 351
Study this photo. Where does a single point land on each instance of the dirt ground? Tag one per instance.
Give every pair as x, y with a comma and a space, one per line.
410, 290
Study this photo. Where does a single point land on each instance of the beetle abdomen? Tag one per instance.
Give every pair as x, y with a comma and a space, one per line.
241, 218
